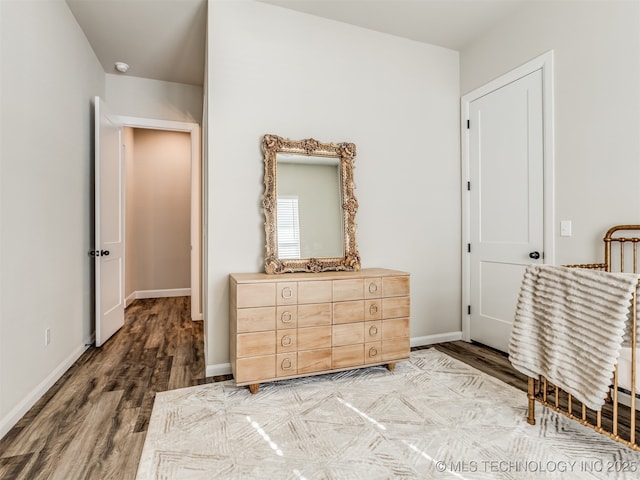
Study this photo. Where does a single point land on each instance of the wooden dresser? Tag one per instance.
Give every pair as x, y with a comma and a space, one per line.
300, 324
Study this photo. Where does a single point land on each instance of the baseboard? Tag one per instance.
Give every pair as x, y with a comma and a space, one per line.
8, 422
196, 317
129, 300
164, 293
218, 369
438, 338
625, 399
167, 292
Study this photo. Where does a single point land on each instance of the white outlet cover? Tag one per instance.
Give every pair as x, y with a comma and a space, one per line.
565, 228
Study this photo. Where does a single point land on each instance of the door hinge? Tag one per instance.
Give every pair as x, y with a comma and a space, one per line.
468, 247
468, 309
468, 185
468, 124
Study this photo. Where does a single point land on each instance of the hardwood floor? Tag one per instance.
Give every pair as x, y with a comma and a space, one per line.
92, 423
485, 359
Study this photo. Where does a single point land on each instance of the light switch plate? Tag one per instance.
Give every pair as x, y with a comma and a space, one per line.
565, 228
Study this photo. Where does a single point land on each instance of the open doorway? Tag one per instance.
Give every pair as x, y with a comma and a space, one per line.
162, 211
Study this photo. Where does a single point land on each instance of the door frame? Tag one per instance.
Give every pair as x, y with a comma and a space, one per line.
193, 129
544, 63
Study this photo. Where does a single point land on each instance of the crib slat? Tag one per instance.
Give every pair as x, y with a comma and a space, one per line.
620, 255
614, 430
531, 418
634, 325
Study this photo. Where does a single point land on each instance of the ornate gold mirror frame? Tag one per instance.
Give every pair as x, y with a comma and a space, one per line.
345, 153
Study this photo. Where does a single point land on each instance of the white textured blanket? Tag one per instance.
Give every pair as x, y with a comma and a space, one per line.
569, 326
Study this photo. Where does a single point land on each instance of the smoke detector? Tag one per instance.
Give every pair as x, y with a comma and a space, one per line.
121, 67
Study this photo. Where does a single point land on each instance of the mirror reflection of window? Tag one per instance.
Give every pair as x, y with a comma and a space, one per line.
315, 181
288, 227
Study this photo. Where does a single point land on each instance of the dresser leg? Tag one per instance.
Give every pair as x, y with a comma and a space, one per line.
391, 366
253, 388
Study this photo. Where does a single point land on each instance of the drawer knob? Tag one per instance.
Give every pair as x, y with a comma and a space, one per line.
373, 330
373, 288
373, 352
286, 341
373, 309
286, 364
287, 292
286, 317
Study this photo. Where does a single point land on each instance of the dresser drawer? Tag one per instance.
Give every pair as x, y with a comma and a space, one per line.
256, 295
315, 291
314, 337
395, 307
347, 312
294, 325
314, 314
373, 352
254, 344
395, 349
314, 360
395, 286
254, 369
348, 333
287, 293
395, 328
352, 289
373, 309
286, 364
373, 331
256, 319
348, 356
286, 340
373, 287
287, 316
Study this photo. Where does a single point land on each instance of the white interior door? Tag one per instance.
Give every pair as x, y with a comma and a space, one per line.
109, 224
506, 202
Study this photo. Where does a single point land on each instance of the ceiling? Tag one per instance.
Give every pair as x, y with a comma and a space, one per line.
165, 39
159, 39
447, 23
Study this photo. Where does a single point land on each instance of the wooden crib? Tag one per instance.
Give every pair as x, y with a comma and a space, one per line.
617, 418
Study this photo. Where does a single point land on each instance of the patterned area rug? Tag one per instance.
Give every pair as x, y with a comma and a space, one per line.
433, 417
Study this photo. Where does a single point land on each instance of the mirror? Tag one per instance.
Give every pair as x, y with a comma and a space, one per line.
309, 206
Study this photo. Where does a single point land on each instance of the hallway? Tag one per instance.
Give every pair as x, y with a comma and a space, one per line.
92, 423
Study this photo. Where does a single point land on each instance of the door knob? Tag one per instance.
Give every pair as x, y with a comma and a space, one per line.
534, 255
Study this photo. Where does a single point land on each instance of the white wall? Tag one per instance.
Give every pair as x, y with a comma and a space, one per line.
272, 70
148, 98
49, 77
597, 100
158, 203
